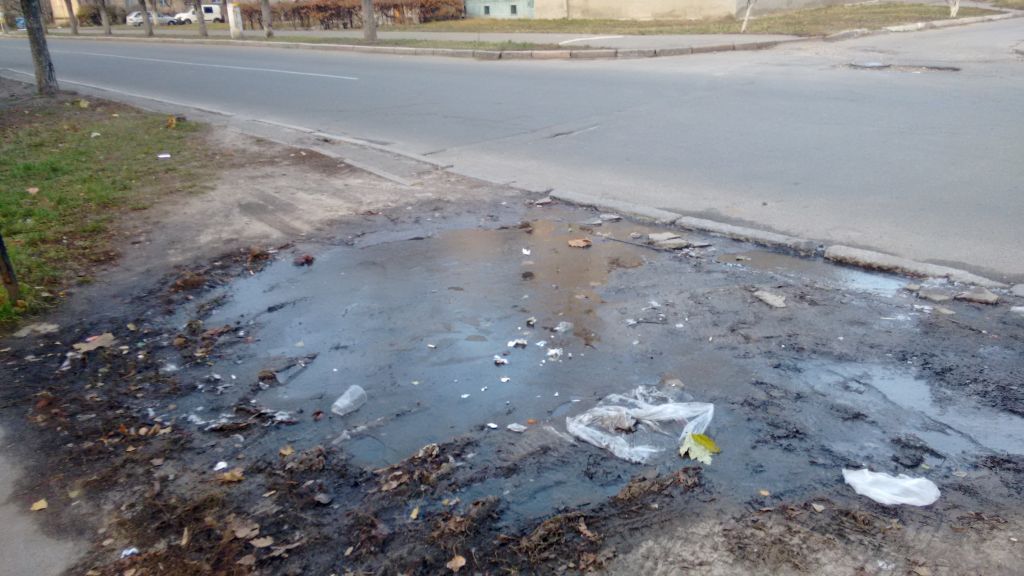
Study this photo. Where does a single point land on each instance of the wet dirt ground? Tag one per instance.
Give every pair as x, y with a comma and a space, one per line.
239, 361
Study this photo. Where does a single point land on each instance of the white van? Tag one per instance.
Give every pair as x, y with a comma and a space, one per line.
211, 13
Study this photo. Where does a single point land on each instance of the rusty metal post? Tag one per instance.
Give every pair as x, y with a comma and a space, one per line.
7, 272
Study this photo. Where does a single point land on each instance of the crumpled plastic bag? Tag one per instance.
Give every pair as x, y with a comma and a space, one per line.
630, 426
891, 490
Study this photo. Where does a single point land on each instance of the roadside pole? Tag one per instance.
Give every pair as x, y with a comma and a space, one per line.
235, 21
7, 272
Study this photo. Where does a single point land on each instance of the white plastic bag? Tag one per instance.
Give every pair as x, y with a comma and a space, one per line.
352, 400
630, 425
890, 490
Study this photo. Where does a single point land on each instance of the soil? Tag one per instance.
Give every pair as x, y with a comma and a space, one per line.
242, 314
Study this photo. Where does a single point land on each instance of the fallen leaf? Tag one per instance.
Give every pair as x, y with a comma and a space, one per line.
247, 560
261, 542
456, 563
921, 571
817, 507
698, 447
83, 103
348, 551
39, 505
415, 513
243, 529
91, 343
185, 537
764, 493
74, 494
286, 451
33, 190
580, 243
233, 475
172, 122
585, 532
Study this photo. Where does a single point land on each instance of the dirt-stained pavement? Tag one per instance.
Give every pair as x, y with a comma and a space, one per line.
238, 360
201, 440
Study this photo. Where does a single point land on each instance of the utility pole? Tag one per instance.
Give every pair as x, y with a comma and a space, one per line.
369, 22
7, 272
46, 78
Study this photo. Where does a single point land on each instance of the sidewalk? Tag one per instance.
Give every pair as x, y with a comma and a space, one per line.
569, 41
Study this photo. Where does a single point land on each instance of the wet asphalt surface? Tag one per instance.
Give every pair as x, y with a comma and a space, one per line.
415, 307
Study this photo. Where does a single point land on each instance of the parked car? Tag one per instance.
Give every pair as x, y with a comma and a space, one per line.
211, 13
135, 19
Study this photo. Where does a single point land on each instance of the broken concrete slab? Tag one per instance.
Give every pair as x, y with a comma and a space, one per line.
1018, 290
888, 263
662, 236
773, 300
934, 295
978, 295
673, 244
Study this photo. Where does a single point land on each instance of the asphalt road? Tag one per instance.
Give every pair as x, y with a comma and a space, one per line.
924, 164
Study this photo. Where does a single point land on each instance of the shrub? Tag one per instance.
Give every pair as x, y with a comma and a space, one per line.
336, 14
89, 15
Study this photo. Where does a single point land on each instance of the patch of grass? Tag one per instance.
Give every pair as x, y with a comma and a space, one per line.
67, 175
1011, 4
417, 43
811, 22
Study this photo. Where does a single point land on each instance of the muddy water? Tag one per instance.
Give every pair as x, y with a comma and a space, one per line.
417, 321
417, 324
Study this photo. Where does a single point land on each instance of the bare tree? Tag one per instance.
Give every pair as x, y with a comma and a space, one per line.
46, 78
202, 19
105, 17
369, 21
10, 281
147, 22
954, 7
746, 15
268, 24
72, 17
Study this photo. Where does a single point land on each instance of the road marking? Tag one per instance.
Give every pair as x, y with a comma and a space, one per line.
225, 66
574, 40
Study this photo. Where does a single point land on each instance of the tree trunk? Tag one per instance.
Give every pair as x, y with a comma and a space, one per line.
147, 23
72, 17
10, 281
954, 8
202, 19
105, 17
746, 16
46, 79
3, 21
369, 21
223, 10
268, 19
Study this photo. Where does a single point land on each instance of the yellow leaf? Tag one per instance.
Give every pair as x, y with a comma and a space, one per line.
580, 243
39, 505
764, 493
695, 450
706, 441
415, 513
286, 451
456, 563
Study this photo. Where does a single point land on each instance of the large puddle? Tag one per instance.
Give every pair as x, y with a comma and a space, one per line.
813, 268
419, 323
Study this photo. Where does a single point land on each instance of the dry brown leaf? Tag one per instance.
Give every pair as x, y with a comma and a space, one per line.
244, 529
39, 505
262, 542
247, 560
456, 563
415, 513
185, 537
585, 532
91, 343
580, 243
33, 190
286, 451
817, 507
233, 475
921, 571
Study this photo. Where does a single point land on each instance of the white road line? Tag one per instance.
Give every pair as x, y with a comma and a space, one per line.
574, 40
225, 66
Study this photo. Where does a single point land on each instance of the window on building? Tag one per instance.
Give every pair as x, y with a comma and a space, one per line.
487, 10
514, 10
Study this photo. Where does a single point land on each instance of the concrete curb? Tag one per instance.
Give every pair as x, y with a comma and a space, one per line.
868, 259
581, 54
